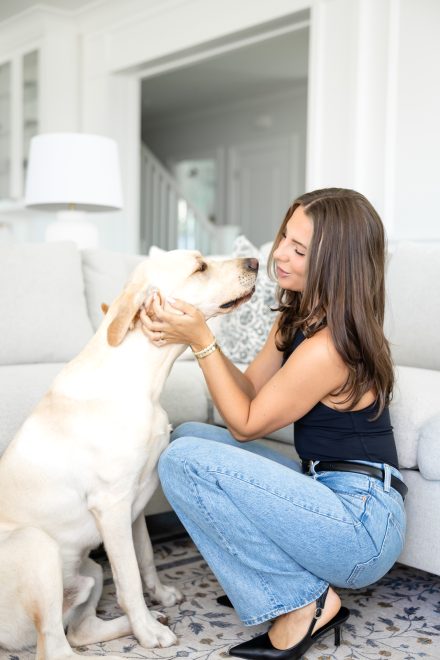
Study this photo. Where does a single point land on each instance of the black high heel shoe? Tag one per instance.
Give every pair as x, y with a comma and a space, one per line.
261, 648
224, 600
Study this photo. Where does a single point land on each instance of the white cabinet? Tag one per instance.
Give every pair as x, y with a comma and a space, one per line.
19, 119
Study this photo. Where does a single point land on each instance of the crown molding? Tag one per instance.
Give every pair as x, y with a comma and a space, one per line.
18, 32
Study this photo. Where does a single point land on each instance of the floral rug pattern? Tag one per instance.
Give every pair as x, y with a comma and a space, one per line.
397, 618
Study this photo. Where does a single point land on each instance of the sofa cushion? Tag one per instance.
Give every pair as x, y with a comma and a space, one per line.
21, 388
105, 274
428, 454
415, 400
44, 313
412, 320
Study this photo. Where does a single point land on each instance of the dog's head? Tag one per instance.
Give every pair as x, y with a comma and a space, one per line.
213, 286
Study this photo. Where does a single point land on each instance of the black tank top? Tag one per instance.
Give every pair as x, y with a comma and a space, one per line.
325, 434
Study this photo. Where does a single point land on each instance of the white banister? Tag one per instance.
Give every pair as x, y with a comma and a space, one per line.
168, 219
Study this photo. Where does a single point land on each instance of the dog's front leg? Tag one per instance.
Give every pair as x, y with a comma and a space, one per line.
114, 524
166, 595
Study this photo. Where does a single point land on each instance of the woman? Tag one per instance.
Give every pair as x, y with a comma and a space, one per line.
277, 536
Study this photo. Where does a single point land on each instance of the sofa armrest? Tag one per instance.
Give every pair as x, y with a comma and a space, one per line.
428, 451
415, 401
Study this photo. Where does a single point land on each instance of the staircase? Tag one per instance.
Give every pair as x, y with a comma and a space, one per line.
168, 219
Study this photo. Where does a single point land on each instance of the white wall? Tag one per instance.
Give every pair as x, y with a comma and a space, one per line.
374, 105
417, 129
349, 102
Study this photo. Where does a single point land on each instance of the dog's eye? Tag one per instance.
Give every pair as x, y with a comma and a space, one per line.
202, 266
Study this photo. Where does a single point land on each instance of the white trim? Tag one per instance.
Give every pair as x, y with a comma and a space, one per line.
295, 151
101, 17
41, 7
213, 23
314, 95
361, 98
20, 51
22, 29
207, 53
391, 118
16, 144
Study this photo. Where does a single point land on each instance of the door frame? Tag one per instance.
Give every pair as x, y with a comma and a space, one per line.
261, 33
298, 20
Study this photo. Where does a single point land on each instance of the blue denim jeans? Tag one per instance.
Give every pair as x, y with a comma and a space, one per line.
274, 537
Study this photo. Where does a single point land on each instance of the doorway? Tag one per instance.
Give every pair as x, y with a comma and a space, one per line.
230, 130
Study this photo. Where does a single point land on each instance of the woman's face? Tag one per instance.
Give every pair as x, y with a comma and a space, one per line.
291, 254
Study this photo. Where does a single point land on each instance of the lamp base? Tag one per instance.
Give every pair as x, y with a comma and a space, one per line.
73, 226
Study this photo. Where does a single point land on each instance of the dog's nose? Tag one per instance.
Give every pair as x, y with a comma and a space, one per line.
251, 264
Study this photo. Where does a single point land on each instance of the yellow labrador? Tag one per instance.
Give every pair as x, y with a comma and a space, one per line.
83, 466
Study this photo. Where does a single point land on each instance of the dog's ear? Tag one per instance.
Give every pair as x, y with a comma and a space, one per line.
130, 302
104, 308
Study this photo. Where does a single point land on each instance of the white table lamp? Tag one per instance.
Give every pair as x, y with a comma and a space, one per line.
73, 173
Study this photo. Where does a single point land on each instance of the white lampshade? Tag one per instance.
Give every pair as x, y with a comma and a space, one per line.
73, 170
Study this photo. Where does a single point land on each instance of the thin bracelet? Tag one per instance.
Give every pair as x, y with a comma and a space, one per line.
204, 352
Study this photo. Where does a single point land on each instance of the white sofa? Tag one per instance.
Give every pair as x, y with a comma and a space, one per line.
50, 296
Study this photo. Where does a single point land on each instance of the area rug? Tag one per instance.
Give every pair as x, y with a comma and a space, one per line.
398, 617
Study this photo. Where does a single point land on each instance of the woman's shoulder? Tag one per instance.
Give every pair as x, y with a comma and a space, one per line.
322, 343
321, 346
318, 352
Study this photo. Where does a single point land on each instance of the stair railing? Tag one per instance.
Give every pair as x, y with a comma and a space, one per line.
168, 219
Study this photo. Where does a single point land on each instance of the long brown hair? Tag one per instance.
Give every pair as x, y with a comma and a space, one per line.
344, 290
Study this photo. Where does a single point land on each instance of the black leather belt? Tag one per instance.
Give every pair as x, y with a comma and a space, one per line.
360, 468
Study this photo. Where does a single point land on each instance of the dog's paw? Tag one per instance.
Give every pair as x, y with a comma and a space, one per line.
167, 595
157, 636
166, 637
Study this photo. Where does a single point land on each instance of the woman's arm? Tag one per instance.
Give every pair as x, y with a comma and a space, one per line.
240, 378
265, 364
310, 374
281, 395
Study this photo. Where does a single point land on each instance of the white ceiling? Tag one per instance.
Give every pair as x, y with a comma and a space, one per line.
270, 66
9, 8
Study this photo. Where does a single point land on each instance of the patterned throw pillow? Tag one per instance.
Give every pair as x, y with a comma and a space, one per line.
243, 332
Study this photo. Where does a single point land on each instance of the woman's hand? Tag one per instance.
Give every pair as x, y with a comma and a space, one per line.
186, 325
